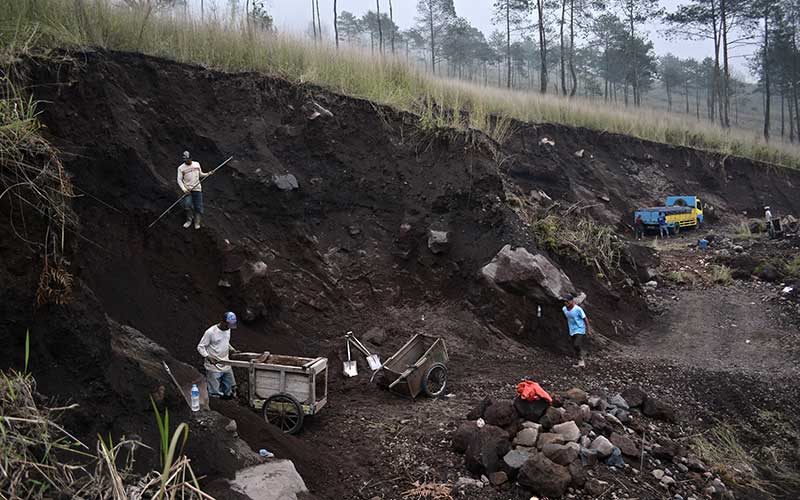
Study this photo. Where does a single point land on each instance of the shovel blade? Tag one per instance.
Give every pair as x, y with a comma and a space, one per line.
350, 368
374, 362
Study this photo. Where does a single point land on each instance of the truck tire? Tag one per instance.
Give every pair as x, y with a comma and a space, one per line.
676, 230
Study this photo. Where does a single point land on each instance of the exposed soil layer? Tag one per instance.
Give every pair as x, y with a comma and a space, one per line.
348, 251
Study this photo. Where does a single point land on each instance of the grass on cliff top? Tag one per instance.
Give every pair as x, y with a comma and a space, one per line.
225, 45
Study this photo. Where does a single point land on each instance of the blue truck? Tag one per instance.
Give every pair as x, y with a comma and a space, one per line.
680, 212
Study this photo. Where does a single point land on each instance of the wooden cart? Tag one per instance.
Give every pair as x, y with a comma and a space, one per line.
419, 366
285, 388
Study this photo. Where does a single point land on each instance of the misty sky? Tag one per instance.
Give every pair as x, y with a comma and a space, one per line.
295, 15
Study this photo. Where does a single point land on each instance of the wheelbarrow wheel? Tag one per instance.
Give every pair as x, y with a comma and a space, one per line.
435, 380
284, 412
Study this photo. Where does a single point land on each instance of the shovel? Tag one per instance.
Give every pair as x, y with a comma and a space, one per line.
350, 368
373, 360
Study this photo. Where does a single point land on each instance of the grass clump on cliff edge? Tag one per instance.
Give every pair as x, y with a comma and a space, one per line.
233, 46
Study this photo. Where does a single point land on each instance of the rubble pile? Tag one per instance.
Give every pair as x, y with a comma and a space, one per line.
566, 448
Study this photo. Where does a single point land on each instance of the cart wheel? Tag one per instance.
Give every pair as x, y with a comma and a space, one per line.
435, 380
283, 411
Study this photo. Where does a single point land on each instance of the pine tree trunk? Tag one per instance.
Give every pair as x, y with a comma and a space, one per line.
686, 94
335, 24
783, 119
313, 19
542, 48
433, 41
508, 41
391, 18
766, 73
380, 25
561, 48
319, 23
727, 76
791, 119
572, 48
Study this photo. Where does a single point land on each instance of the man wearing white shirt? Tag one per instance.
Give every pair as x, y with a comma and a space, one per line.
215, 347
189, 175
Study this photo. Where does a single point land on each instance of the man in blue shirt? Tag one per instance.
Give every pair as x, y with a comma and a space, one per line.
663, 230
578, 327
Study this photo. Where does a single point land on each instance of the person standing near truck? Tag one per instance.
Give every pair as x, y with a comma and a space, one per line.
578, 325
639, 227
768, 218
663, 230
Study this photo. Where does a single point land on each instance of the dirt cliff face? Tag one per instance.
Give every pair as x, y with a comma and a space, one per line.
346, 251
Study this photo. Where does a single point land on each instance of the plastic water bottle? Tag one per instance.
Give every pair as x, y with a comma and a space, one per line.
264, 453
539, 311
195, 398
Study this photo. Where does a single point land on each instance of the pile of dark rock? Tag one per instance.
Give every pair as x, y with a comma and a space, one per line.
565, 448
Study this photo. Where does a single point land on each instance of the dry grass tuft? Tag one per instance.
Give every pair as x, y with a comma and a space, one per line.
39, 459
433, 491
721, 275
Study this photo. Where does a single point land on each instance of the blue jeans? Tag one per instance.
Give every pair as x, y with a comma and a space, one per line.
220, 383
663, 230
194, 200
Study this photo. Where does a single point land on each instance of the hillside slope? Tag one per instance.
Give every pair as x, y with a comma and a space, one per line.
347, 250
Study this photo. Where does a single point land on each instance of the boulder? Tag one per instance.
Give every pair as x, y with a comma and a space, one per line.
519, 272
438, 241
526, 437
618, 401
485, 449
658, 474
634, 396
569, 430
271, 480
586, 413
285, 182
603, 446
480, 410
694, 464
577, 395
768, 272
560, 453
578, 474
600, 424
665, 451
547, 438
597, 403
498, 478
464, 483
589, 457
655, 408
464, 435
514, 459
531, 425
544, 477
625, 444
378, 336
531, 410
595, 487
550, 418
572, 412
500, 413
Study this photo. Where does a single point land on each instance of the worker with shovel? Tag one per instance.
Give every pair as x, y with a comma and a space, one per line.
578, 327
189, 175
215, 347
